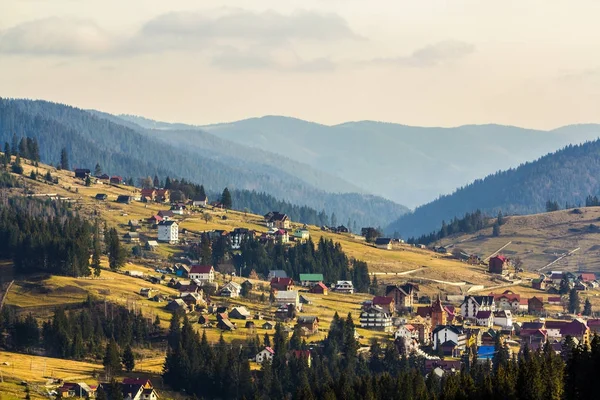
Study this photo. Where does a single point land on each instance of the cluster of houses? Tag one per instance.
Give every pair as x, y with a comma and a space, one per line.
131, 388
551, 283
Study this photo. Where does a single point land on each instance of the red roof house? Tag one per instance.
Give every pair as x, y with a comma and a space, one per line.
319, 288
386, 303
282, 284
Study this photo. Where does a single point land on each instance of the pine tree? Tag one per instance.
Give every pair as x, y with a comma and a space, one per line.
226, 199
116, 253
7, 152
128, 359
574, 303
88, 181
156, 181
97, 170
496, 230
64, 159
112, 359
564, 286
96, 251
587, 308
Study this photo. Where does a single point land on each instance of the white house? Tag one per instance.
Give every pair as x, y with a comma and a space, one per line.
284, 297
503, 318
406, 332
265, 355
200, 201
376, 318
485, 318
302, 234
203, 273
344, 287
231, 289
449, 333
473, 304
168, 231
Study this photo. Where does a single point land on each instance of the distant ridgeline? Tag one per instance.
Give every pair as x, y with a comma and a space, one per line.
134, 152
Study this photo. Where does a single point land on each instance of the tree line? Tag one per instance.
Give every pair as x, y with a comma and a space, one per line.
338, 371
78, 334
470, 223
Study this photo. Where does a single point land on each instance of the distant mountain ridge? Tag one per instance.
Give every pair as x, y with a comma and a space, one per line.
410, 165
130, 151
566, 176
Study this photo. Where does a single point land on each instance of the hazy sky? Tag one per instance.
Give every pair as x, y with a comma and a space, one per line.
532, 63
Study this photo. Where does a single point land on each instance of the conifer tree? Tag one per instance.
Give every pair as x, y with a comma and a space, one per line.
7, 152
112, 359
587, 308
226, 199
97, 170
574, 303
116, 253
128, 359
64, 159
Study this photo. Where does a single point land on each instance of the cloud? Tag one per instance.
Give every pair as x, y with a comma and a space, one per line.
55, 36
267, 27
431, 55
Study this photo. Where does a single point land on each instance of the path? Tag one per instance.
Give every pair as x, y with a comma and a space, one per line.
412, 271
560, 258
5, 294
517, 282
497, 251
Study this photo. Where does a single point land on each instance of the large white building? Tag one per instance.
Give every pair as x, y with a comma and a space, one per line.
168, 231
203, 273
473, 304
376, 318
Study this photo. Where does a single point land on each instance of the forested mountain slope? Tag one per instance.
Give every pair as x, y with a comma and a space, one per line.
566, 176
121, 150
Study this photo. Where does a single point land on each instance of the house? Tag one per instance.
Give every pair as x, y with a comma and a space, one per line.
200, 201
193, 299
166, 214
148, 194
76, 389
237, 236
151, 245
473, 304
225, 324
202, 273
147, 292
375, 318
578, 330
451, 338
131, 237
276, 273
247, 286
498, 265
177, 305
285, 297
124, 199
438, 314
507, 300
116, 180
240, 313
301, 234
503, 318
309, 325
423, 327
168, 231
231, 289
554, 328
386, 303
535, 305
101, 196
268, 325
155, 219
178, 209
554, 300
485, 318
407, 332
182, 270
162, 195
319, 288
278, 220
304, 299
281, 236
282, 284
309, 280
104, 178
403, 295
587, 277
342, 229
82, 173
383, 243
265, 354
344, 287
539, 283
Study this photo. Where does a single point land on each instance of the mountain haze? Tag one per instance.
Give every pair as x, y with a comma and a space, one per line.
566, 176
410, 165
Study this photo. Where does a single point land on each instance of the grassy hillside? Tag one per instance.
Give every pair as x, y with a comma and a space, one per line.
541, 238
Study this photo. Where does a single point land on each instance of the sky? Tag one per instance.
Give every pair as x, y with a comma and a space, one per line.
530, 63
